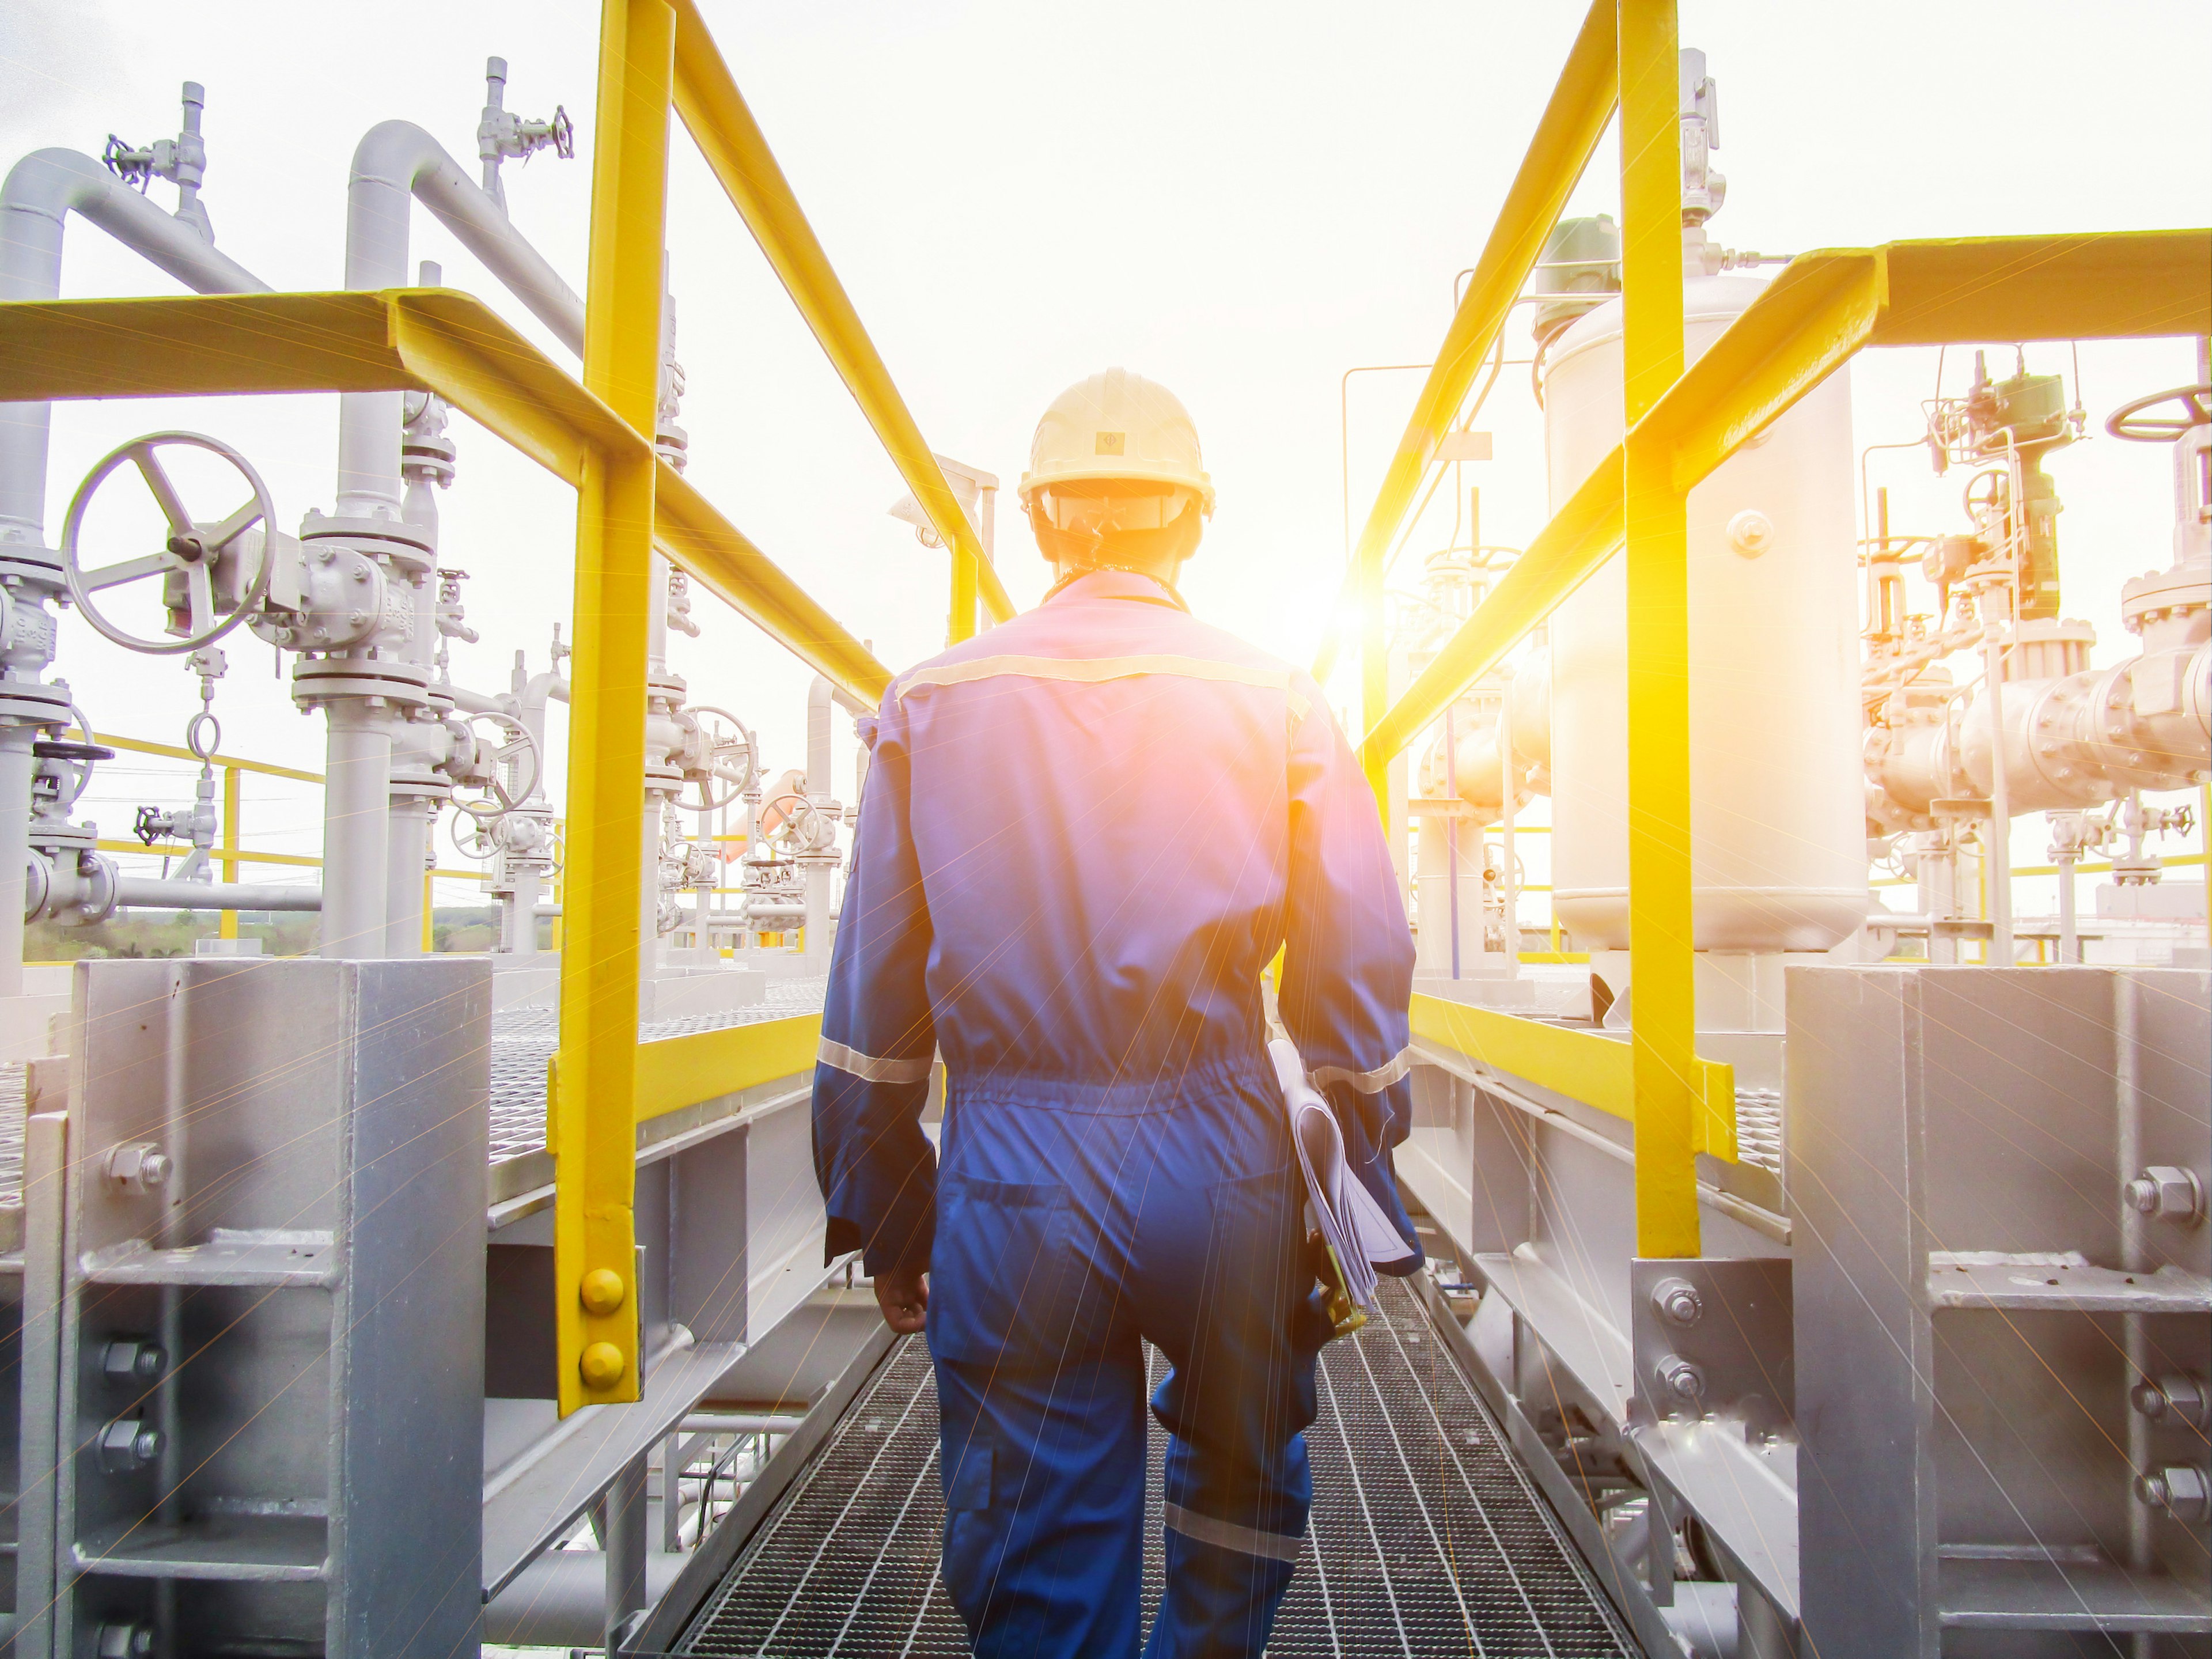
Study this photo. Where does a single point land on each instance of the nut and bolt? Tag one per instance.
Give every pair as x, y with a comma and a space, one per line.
2182, 1490
2179, 1400
1682, 1378
139, 1167
131, 1360
1677, 1302
123, 1642
2169, 1192
128, 1443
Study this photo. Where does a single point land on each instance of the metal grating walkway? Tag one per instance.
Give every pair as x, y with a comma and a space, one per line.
1426, 1536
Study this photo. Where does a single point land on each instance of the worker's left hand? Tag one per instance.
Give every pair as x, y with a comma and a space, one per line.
903, 1295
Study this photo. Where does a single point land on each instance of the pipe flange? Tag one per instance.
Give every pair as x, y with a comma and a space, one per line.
418, 784
33, 702
396, 684
407, 546
36, 567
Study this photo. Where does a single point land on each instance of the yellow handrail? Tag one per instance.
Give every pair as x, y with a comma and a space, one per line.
715, 113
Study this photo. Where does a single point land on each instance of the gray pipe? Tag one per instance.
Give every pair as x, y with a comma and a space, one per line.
41, 190
39, 193
165, 893
356, 791
395, 161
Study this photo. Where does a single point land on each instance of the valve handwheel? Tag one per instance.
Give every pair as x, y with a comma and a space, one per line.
800, 824
729, 762
502, 798
2135, 422
193, 550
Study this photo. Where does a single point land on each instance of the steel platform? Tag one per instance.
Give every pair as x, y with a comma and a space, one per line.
1427, 1536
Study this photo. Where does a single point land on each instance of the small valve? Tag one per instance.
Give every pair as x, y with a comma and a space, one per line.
128, 1445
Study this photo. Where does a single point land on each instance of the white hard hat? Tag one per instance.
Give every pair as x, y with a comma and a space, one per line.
1116, 428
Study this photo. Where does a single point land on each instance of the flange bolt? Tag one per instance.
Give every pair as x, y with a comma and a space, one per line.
2182, 1490
1677, 1302
2167, 1192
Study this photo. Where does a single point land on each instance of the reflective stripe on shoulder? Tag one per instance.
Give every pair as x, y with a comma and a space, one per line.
1368, 1083
1228, 1536
1092, 670
869, 1068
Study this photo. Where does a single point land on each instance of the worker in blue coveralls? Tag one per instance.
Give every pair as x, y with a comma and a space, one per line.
1085, 834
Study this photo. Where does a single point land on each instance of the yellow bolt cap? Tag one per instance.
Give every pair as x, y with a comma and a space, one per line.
602, 1365
602, 1290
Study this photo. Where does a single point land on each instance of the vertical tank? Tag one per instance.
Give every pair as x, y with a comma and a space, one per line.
1777, 823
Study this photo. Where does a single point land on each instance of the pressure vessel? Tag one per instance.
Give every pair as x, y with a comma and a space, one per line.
1778, 817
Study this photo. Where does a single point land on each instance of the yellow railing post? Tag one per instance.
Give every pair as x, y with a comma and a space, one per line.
964, 595
594, 1134
228, 927
1661, 961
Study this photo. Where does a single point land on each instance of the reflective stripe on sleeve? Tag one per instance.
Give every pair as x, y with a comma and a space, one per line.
1228, 1536
871, 1069
1368, 1083
1092, 670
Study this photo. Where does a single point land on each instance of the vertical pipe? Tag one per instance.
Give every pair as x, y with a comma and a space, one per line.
356, 789
965, 582
1661, 964
1996, 863
232, 817
594, 1124
624, 1524
17, 765
2070, 933
406, 918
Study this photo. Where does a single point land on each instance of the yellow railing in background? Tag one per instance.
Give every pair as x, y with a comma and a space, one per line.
1821, 310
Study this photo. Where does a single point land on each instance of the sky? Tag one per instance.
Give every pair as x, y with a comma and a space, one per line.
1240, 201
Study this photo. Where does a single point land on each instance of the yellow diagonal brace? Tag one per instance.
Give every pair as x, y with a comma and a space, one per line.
1573, 121
1663, 1033
720, 124
594, 1134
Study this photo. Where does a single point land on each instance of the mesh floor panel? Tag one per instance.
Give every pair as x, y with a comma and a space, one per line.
1426, 1536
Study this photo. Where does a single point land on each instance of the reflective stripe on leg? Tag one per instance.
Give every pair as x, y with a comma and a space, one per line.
1228, 1536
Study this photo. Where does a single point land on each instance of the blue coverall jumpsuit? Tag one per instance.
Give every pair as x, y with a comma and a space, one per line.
1085, 835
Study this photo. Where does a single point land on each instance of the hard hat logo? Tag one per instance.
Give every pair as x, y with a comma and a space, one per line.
1115, 456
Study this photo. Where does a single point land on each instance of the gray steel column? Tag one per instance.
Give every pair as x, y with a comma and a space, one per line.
624, 1526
